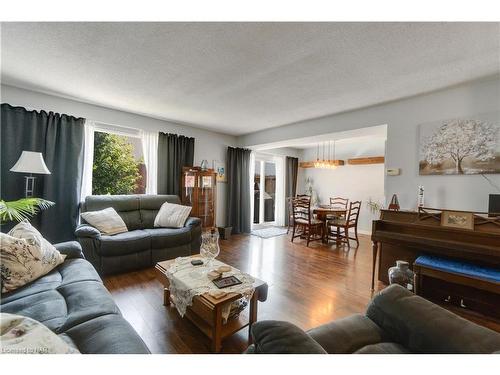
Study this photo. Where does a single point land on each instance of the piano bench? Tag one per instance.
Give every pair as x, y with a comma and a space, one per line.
457, 282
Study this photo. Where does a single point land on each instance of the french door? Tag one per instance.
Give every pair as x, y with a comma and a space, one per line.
264, 192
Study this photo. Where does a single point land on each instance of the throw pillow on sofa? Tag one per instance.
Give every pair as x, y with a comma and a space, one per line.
27, 231
107, 221
25, 258
172, 215
23, 335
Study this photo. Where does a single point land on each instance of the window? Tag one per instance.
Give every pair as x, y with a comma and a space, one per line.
118, 166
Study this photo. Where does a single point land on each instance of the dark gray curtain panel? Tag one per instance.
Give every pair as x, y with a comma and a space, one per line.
60, 139
238, 189
174, 152
292, 167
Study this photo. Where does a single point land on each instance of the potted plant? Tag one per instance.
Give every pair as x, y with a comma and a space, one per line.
374, 206
22, 209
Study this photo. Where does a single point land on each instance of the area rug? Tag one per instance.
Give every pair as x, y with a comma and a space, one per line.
269, 232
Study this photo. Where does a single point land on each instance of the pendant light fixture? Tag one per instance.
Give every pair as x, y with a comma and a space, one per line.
326, 162
333, 164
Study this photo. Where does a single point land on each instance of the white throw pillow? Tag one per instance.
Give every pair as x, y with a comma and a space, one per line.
23, 335
27, 231
107, 221
26, 257
172, 215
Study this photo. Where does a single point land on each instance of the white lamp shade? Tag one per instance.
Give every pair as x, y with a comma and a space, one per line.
31, 162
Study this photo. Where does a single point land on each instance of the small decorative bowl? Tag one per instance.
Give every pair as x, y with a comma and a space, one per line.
223, 269
212, 275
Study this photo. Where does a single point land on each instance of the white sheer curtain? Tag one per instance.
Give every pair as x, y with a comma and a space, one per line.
150, 148
252, 180
88, 159
280, 199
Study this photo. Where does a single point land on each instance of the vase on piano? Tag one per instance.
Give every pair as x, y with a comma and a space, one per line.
401, 274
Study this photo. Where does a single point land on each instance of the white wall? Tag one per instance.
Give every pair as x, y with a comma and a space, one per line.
402, 118
208, 145
355, 182
283, 151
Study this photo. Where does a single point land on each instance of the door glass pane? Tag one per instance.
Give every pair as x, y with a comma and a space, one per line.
256, 193
269, 191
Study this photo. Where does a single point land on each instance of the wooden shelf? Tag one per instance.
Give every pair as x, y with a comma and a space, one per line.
231, 327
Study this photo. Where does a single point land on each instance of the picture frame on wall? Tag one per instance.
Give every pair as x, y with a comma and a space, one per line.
457, 219
460, 146
220, 169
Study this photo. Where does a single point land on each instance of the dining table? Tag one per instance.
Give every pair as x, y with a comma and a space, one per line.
324, 212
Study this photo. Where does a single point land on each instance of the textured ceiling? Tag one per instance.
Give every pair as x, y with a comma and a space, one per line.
239, 78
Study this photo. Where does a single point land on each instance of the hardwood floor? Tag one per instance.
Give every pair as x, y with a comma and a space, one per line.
307, 286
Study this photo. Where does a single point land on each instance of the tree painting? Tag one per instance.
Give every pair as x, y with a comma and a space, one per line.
460, 146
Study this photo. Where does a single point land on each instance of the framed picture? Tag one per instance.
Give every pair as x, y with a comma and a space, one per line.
226, 282
469, 145
457, 219
220, 169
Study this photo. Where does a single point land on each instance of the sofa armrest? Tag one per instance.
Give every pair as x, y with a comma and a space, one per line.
85, 230
71, 249
424, 327
192, 222
277, 337
347, 335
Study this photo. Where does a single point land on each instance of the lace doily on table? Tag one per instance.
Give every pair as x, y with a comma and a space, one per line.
187, 281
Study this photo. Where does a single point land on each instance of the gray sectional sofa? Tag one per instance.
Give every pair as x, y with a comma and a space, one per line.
143, 245
396, 322
72, 302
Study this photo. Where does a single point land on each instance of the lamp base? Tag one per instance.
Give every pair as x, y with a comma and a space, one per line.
29, 187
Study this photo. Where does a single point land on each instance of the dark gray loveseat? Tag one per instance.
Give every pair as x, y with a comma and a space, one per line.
143, 245
396, 322
72, 302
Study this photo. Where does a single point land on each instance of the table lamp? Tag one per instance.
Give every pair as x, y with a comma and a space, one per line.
30, 162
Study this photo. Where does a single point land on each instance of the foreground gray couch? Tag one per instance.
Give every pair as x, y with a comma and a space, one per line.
396, 322
72, 302
143, 245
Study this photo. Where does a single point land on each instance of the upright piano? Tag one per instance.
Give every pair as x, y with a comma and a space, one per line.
405, 235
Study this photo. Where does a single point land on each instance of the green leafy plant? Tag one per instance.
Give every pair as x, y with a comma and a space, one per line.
115, 170
374, 206
22, 209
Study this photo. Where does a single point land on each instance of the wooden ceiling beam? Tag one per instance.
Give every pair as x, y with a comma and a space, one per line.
368, 160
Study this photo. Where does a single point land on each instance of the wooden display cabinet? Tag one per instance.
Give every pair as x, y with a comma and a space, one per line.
199, 190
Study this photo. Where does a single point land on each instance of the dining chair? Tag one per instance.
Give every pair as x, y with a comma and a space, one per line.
337, 202
305, 196
304, 224
338, 229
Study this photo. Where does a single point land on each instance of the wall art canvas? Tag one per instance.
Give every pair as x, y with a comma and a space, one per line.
469, 145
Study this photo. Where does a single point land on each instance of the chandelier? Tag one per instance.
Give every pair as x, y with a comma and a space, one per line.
326, 163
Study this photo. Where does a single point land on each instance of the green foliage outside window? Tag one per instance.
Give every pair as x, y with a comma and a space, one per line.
115, 170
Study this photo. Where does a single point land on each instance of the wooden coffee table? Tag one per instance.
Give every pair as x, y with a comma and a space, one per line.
206, 311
